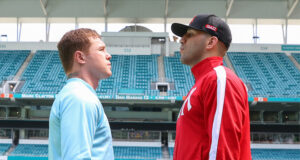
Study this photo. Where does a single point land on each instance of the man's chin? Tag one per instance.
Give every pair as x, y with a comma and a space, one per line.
105, 76
182, 61
109, 74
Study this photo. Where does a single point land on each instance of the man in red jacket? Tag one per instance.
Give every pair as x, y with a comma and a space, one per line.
213, 122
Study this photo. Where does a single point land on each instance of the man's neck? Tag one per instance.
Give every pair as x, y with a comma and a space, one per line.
86, 78
73, 75
204, 56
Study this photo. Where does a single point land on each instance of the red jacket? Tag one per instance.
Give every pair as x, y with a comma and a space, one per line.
213, 122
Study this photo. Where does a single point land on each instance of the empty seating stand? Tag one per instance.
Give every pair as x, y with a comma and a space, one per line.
297, 57
3, 148
275, 154
267, 154
265, 74
135, 72
10, 62
34, 150
178, 73
44, 74
122, 152
268, 74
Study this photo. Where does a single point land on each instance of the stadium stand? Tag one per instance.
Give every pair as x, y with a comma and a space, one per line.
269, 74
35, 150
178, 73
124, 152
4, 148
296, 56
267, 154
44, 74
171, 151
265, 74
131, 75
275, 154
11, 61
120, 152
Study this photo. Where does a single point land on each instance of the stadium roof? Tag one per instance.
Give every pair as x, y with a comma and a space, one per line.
149, 11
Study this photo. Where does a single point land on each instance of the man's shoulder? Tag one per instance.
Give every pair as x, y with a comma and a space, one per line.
212, 75
230, 75
75, 90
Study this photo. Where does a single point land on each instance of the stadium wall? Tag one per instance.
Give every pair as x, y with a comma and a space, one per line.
174, 46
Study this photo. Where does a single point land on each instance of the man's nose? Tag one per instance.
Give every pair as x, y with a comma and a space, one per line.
108, 56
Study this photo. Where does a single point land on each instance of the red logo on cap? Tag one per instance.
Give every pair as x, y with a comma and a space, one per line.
208, 26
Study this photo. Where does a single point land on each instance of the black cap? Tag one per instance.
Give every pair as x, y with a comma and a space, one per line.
211, 24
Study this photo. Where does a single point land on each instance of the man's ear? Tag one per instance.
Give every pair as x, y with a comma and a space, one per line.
212, 42
79, 57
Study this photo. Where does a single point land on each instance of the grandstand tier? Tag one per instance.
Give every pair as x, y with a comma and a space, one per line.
4, 148
35, 150
44, 74
125, 152
178, 73
269, 74
40, 151
267, 154
134, 74
297, 57
10, 62
131, 75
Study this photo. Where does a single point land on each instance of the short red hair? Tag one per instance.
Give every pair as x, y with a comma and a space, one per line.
72, 41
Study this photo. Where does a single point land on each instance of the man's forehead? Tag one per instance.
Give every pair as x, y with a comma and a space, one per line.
97, 40
191, 30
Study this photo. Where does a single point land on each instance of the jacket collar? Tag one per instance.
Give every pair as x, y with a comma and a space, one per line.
205, 66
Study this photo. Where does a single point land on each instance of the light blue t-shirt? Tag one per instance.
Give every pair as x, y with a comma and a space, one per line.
78, 126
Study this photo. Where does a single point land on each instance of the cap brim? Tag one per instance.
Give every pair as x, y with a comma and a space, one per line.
179, 29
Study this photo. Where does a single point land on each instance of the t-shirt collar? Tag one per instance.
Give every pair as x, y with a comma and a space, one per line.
84, 82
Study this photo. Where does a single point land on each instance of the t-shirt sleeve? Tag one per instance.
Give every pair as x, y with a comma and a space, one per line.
79, 119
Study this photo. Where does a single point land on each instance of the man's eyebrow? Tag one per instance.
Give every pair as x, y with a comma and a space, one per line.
101, 47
